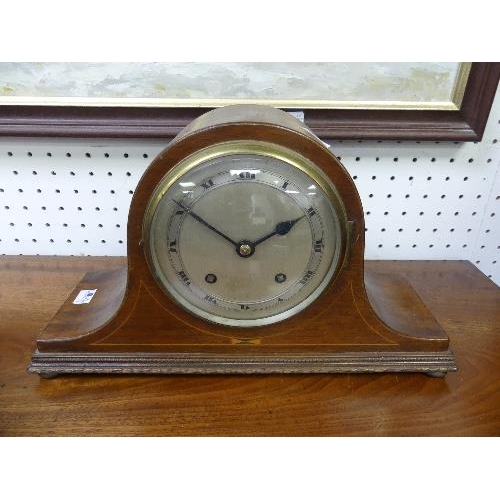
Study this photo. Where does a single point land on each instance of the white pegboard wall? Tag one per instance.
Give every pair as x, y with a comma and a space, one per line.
422, 200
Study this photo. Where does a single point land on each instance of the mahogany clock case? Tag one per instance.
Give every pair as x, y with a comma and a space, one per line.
362, 321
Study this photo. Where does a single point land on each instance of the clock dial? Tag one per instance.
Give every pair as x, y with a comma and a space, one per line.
245, 236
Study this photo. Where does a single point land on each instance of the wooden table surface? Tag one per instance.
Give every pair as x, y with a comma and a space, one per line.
464, 403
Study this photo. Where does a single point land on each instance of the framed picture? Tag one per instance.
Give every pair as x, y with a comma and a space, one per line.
412, 101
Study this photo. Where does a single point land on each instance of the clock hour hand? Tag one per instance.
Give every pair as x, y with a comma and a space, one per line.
206, 224
281, 229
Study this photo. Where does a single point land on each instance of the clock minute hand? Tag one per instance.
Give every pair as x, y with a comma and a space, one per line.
281, 229
205, 223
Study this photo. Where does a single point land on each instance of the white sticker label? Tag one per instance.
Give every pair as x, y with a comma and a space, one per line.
84, 296
297, 114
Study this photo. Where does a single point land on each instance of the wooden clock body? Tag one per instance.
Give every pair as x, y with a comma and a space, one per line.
361, 322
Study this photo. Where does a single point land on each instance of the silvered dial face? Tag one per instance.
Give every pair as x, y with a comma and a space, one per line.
244, 239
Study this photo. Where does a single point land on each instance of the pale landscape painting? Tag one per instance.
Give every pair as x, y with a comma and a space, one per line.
285, 84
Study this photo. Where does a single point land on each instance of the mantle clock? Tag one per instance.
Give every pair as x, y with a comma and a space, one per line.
245, 255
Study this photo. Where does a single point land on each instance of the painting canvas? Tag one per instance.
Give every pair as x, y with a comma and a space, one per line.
435, 85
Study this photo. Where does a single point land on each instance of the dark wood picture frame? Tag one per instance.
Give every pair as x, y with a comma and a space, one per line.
466, 124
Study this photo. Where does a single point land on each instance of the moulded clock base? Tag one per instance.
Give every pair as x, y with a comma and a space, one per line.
53, 364
84, 338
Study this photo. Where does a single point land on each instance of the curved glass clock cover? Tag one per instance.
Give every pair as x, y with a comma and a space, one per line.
244, 238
